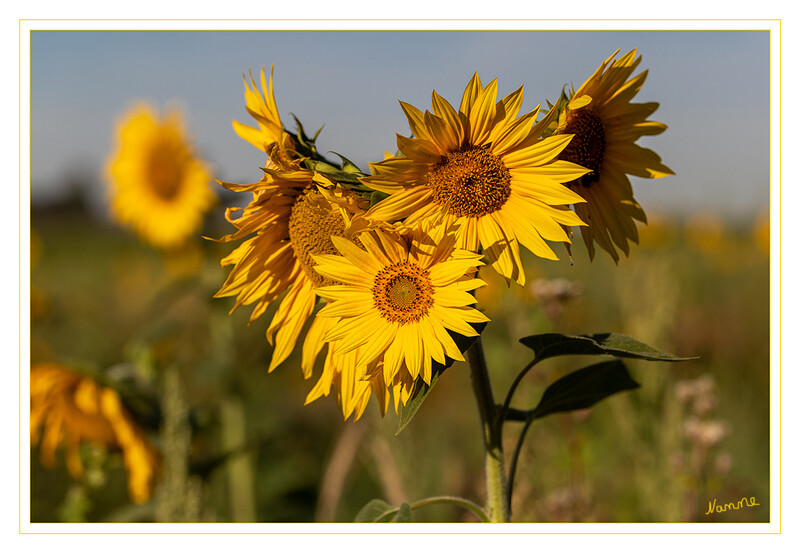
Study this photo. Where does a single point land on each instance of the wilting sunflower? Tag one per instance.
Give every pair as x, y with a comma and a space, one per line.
397, 300
292, 218
293, 214
606, 125
69, 409
160, 187
486, 170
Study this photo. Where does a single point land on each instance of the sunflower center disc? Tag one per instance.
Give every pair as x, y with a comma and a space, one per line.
403, 292
588, 146
163, 174
472, 182
310, 230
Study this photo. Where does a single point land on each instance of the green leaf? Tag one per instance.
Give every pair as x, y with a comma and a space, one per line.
418, 395
376, 510
403, 514
421, 390
618, 345
584, 387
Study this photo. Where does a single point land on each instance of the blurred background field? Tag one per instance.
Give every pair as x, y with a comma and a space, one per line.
251, 451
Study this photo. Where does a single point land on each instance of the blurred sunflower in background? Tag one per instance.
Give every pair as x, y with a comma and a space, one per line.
485, 170
397, 299
159, 186
69, 409
606, 125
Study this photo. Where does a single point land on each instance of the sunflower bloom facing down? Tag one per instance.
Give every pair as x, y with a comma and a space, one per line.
290, 220
70, 409
485, 170
606, 125
397, 300
159, 187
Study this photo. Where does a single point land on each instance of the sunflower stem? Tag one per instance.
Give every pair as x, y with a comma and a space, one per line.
497, 500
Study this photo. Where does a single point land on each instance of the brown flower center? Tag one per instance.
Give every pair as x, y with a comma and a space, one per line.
588, 146
164, 173
403, 292
310, 229
472, 182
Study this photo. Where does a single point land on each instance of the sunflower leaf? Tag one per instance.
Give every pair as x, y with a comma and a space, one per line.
376, 510
609, 343
583, 388
418, 395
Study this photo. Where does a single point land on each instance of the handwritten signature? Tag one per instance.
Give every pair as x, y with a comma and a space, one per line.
743, 502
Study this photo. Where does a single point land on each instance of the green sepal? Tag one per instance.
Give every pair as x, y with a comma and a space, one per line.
421, 389
306, 146
346, 179
609, 343
348, 166
583, 388
376, 196
321, 167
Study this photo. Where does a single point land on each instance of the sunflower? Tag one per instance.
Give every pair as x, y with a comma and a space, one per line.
293, 215
485, 170
397, 302
606, 125
160, 188
69, 408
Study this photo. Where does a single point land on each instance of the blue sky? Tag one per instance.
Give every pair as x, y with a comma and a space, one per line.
713, 87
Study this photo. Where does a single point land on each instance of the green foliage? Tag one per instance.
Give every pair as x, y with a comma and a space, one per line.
421, 391
376, 196
306, 145
377, 510
348, 166
618, 345
583, 388
403, 514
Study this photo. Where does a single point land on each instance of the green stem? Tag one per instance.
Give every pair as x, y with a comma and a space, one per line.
461, 502
507, 403
513, 468
497, 501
